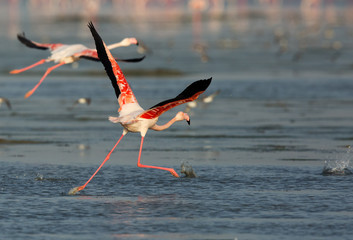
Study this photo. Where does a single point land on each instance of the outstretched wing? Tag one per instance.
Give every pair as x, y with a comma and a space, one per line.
122, 89
91, 54
32, 44
130, 59
191, 93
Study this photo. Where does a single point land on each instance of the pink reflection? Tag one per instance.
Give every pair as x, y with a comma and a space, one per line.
311, 12
14, 19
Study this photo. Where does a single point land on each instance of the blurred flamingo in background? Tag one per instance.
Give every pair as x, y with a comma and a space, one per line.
82, 100
65, 54
204, 101
131, 115
6, 101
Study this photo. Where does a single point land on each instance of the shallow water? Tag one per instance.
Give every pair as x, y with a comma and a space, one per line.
222, 203
258, 150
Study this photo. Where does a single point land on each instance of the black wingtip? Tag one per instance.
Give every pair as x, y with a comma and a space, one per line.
103, 57
21, 35
22, 38
205, 83
91, 26
131, 59
202, 84
198, 86
209, 80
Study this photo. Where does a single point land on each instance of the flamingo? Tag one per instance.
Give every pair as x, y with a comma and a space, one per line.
6, 101
65, 54
204, 100
131, 115
82, 101
86, 101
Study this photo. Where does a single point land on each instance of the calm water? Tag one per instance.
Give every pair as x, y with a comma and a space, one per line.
259, 150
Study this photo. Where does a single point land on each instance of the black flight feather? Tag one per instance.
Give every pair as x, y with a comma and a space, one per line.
191, 90
29, 43
131, 59
104, 58
90, 58
116, 59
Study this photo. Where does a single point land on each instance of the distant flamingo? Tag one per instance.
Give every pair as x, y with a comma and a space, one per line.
204, 100
86, 101
65, 54
6, 101
132, 117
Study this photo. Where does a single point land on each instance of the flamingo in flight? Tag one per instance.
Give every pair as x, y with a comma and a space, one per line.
131, 116
65, 54
6, 101
86, 101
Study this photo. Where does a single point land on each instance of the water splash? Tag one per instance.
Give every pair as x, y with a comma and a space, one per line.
340, 166
187, 169
39, 177
73, 191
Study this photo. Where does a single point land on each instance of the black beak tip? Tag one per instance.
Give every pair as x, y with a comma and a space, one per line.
188, 121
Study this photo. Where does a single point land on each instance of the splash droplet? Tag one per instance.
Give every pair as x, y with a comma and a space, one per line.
340, 166
187, 169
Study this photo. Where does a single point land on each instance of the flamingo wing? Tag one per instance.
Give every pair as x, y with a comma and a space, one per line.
122, 89
91, 54
32, 44
139, 59
190, 93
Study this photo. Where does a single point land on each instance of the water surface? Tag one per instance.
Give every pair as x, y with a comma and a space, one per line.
258, 149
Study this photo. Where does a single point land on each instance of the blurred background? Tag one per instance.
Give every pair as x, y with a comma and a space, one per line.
246, 37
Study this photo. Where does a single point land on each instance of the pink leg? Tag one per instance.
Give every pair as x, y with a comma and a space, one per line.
171, 170
30, 92
26, 68
106, 159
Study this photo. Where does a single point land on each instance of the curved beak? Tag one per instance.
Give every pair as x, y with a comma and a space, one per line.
188, 121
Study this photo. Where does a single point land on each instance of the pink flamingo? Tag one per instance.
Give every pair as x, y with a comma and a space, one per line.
65, 54
131, 116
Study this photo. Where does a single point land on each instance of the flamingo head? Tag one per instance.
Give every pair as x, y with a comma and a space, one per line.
182, 116
129, 41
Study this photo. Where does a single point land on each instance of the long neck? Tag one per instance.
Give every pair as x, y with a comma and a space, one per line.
126, 94
115, 45
165, 126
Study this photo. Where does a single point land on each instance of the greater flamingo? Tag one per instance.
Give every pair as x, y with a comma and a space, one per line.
6, 101
65, 54
86, 101
131, 116
204, 100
